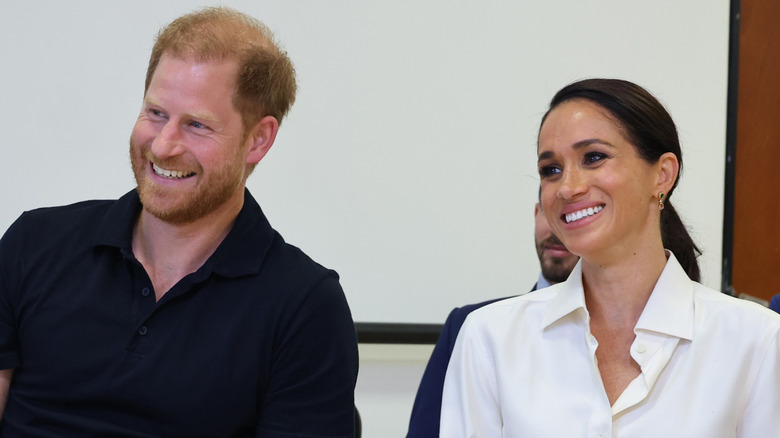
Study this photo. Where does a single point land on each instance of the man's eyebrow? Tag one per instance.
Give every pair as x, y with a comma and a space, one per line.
200, 115
204, 115
578, 145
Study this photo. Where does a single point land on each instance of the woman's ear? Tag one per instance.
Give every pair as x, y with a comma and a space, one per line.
261, 138
668, 169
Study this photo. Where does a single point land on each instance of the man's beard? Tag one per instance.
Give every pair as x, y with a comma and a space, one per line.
180, 206
554, 269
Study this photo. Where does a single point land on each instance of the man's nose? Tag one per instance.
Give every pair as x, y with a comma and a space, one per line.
168, 142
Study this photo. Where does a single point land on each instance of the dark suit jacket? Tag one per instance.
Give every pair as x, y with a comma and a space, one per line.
774, 304
426, 412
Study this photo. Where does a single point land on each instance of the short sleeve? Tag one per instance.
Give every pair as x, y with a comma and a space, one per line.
314, 370
10, 269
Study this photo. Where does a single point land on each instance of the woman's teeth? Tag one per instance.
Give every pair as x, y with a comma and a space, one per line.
585, 212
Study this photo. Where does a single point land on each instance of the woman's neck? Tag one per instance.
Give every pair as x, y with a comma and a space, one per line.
616, 293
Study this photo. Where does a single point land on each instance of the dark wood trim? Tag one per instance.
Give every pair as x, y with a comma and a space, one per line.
731, 149
397, 333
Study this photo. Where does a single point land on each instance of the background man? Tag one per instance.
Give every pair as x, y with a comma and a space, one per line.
177, 310
556, 263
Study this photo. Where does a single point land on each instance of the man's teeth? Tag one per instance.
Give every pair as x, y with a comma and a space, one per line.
585, 212
169, 173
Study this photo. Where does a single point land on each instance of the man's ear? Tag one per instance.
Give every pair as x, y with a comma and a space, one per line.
668, 169
261, 138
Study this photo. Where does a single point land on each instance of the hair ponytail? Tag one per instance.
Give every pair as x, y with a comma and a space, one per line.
676, 239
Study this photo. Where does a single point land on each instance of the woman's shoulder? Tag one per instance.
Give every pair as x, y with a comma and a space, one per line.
710, 303
522, 310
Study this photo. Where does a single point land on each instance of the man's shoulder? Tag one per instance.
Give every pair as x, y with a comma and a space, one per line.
291, 262
774, 303
45, 222
79, 208
254, 240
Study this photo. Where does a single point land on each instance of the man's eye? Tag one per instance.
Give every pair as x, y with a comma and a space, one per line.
198, 125
594, 157
157, 113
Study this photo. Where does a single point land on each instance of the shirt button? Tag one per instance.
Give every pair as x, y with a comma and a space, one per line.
145, 292
641, 348
142, 330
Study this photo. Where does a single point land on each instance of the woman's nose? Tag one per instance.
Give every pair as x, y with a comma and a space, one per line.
573, 183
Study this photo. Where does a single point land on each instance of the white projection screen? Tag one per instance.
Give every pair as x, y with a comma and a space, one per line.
408, 162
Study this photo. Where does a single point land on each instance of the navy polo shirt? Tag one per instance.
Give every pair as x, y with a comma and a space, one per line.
257, 342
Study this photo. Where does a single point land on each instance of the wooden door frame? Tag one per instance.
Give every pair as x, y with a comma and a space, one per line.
731, 149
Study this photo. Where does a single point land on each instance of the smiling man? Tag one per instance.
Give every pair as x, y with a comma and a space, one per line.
177, 310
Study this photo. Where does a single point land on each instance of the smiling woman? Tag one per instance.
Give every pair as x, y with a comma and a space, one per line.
616, 346
632, 117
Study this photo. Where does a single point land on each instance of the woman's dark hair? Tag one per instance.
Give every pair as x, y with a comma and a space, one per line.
648, 126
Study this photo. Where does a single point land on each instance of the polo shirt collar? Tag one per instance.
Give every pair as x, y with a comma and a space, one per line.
244, 248
116, 228
670, 309
241, 253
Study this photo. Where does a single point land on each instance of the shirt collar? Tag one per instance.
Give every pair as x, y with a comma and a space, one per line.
241, 253
670, 309
116, 228
570, 297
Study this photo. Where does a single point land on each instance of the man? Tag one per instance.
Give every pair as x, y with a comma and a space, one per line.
177, 310
556, 263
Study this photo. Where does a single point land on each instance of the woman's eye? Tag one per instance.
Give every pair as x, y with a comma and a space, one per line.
548, 171
593, 157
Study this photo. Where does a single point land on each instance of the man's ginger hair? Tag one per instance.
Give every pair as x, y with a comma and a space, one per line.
266, 78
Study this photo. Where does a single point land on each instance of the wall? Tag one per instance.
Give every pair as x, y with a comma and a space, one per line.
387, 384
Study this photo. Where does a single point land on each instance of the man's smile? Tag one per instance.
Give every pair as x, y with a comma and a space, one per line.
172, 174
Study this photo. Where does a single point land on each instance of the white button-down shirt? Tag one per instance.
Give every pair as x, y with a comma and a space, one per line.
526, 367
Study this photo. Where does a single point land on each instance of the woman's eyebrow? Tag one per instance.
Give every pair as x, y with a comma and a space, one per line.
587, 142
578, 145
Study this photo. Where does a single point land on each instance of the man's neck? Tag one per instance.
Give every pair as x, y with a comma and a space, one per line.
169, 252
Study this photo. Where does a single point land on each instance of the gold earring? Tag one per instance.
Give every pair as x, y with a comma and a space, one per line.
661, 201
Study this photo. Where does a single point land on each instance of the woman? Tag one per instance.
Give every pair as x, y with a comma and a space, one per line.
630, 345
